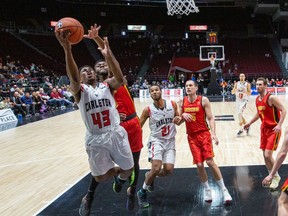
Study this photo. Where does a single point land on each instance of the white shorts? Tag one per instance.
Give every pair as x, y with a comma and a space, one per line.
106, 149
241, 105
163, 150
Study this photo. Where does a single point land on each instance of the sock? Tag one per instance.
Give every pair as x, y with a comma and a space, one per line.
277, 174
122, 181
221, 184
206, 185
145, 186
92, 187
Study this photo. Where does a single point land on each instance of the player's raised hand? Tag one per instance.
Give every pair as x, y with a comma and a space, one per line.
62, 37
93, 32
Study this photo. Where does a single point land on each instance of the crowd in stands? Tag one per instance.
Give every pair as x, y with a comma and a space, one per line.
29, 91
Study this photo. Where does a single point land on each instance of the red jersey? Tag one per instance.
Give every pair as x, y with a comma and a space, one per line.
198, 114
269, 115
124, 101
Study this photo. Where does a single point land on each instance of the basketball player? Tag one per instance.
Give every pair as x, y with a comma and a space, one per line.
194, 110
242, 91
128, 119
106, 141
283, 199
161, 143
272, 114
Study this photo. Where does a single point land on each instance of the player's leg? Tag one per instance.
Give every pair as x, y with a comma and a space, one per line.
168, 158
121, 153
218, 177
87, 200
195, 149
156, 155
149, 178
269, 144
283, 200
133, 179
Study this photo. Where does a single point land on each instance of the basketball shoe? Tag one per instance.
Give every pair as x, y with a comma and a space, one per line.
85, 206
151, 186
142, 199
239, 132
207, 195
117, 185
275, 182
226, 197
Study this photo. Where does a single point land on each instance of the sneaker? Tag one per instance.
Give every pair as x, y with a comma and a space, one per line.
239, 132
117, 185
247, 131
275, 182
226, 197
142, 200
130, 203
151, 186
85, 206
207, 195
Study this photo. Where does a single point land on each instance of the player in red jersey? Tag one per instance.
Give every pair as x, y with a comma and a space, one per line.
272, 114
194, 110
130, 122
283, 199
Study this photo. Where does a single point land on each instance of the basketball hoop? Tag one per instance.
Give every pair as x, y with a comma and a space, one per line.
181, 7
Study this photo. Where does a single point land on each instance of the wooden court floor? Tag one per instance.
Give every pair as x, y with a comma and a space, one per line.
41, 160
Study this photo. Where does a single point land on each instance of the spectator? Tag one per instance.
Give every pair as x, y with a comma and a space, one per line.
28, 103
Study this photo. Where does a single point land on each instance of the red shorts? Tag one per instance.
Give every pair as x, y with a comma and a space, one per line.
134, 132
201, 146
285, 186
269, 139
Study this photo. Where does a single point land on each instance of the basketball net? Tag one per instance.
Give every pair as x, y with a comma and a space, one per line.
181, 7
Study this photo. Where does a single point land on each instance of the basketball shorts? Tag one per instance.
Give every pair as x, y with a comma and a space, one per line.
269, 140
163, 150
106, 149
241, 105
201, 146
285, 186
134, 131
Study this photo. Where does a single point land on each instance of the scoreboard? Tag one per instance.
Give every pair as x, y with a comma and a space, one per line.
211, 37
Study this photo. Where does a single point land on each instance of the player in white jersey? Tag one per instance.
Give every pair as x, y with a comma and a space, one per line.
161, 143
242, 91
106, 141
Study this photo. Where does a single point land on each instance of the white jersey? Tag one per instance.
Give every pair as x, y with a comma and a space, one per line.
241, 91
160, 121
98, 109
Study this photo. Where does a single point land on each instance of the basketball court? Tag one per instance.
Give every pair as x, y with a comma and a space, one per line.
44, 170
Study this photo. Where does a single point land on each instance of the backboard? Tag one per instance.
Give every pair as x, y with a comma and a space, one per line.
206, 52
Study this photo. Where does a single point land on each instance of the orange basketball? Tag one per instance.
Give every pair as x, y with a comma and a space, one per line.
72, 25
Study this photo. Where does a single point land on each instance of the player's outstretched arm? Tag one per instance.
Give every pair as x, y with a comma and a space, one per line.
71, 66
117, 80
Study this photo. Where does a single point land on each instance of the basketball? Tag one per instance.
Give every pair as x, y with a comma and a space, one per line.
73, 26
